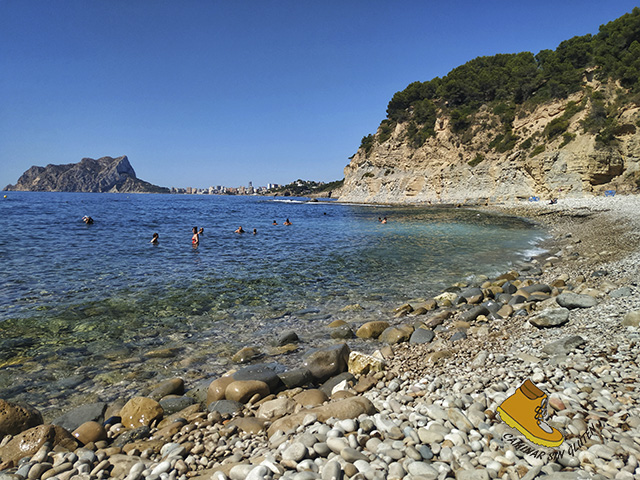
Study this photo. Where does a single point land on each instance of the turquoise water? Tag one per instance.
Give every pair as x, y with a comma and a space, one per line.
95, 309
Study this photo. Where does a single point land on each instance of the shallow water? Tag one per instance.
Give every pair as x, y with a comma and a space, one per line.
88, 311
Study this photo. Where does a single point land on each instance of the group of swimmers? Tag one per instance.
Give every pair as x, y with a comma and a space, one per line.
195, 238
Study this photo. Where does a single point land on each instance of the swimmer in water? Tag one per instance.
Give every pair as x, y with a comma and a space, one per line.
287, 222
87, 220
239, 230
274, 223
195, 239
154, 240
255, 231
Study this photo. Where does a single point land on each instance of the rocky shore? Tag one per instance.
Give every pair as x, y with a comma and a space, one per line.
423, 406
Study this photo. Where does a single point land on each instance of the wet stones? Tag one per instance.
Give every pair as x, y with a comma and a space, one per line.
16, 418
29, 442
244, 390
140, 411
90, 432
326, 363
422, 335
397, 334
372, 329
82, 414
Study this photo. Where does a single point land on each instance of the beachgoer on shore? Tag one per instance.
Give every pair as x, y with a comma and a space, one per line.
287, 222
154, 240
239, 229
195, 239
88, 220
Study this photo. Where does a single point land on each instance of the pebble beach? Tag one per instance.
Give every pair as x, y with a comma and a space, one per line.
422, 406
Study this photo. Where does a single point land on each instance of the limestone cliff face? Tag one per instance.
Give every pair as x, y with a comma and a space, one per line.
107, 174
464, 169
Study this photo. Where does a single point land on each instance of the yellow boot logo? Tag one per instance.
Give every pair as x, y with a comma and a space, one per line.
526, 411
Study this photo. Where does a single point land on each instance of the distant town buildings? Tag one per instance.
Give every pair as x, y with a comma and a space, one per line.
222, 190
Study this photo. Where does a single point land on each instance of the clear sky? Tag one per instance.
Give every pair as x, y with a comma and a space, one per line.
208, 92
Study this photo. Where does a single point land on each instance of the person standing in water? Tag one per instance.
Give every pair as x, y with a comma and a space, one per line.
195, 239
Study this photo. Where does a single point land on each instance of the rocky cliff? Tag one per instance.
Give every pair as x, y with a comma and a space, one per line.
107, 174
468, 168
558, 123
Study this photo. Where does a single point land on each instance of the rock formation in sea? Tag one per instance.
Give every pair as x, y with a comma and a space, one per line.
556, 124
106, 174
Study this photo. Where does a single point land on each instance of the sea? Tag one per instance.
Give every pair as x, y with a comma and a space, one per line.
96, 312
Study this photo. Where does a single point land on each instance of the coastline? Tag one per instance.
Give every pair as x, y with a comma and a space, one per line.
443, 394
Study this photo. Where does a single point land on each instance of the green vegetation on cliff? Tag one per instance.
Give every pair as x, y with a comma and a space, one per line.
509, 82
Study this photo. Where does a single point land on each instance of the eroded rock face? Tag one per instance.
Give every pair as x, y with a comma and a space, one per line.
15, 418
458, 167
29, 442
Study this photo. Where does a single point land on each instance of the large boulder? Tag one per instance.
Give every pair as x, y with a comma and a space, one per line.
399, 334
551, 317
29, 442
140, 411
16, 418
328, 362
371, 329
264, 372
342, 409
572, 300
217, 388
243, 390
91, 412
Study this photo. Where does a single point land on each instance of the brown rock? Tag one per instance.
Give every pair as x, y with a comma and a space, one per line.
243, 390
29, 442
90, 432
246, 354
372, 329
342, 394
251, 425
276, 408
340, 409
140, 411
173, 386
16, 418
217, 388
154, 445
168, 431
365, 383
311, 398
399, 334
336, 323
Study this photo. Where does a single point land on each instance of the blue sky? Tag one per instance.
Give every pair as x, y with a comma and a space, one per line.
201, 93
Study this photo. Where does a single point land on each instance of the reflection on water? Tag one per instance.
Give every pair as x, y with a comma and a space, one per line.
101, 305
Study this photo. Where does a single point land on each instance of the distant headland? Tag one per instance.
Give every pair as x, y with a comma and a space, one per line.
106, 174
